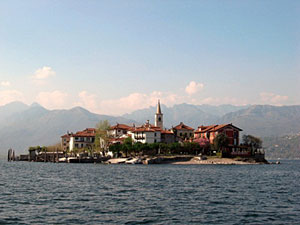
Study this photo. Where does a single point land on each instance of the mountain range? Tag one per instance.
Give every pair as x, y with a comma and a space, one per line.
22, 125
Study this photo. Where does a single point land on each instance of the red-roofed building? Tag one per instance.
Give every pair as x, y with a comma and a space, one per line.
119, 130
183, 132
82, 139
210, 132
65, 139
167, 136
146, 133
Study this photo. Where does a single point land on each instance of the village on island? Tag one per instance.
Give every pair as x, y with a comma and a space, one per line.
151, 144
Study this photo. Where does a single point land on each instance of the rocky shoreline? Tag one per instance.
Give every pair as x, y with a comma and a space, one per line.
188, 160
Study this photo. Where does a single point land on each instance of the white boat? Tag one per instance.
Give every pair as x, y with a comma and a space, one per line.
63, 160
134, 161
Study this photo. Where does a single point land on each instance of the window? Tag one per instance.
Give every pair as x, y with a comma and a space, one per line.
154, 134
159, 119
180, 134
154, 140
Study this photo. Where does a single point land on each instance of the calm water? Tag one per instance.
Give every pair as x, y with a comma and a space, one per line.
46, 193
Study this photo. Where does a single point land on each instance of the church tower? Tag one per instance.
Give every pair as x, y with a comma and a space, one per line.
159, 117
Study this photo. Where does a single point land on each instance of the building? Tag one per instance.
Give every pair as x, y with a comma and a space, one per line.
210, 132
119, 130
82, 139
167, 137
183, 132
65, 139
146, 133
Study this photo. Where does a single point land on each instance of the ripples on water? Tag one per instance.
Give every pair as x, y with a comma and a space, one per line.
47, 193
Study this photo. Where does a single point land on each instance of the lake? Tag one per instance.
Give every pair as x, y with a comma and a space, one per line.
48, 193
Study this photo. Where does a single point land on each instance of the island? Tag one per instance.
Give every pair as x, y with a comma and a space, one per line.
151, 144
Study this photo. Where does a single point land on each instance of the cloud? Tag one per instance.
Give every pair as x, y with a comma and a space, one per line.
88, 100
42, 74
136, 101
267, 97
5, 83
52, 100
7, 96
193, 87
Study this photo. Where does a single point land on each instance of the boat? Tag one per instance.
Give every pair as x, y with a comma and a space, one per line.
134, 161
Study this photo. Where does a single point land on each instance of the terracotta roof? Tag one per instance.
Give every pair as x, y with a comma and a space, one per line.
117, 139
88, 132
143, 129
225, 125
120, 127
182, 126
205, 129
166, 132
65, 136
149, 126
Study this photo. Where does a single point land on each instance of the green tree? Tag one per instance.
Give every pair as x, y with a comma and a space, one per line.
116, 149
220, 141
252, 141
102, 137
138, 148
127, 146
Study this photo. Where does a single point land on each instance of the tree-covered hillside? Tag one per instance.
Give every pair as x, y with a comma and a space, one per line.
287, 147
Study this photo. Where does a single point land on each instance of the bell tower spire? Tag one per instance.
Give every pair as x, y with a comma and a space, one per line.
159, 117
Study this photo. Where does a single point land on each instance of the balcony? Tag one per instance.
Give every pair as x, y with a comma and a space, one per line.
139, 138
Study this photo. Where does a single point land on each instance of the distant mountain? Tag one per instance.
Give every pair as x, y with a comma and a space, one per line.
26, 126
10, 109
193, 115
221, 110
266, 120
259, 120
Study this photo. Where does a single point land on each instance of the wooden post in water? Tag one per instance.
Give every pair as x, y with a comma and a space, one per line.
9, 155
57, 154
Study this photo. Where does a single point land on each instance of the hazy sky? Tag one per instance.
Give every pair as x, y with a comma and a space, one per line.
114, 57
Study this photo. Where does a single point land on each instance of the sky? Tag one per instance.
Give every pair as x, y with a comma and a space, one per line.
114, 57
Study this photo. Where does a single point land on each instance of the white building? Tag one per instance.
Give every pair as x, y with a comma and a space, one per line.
146, 134
119, 130
82, 139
